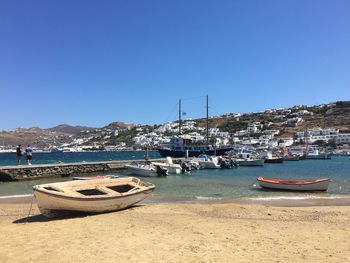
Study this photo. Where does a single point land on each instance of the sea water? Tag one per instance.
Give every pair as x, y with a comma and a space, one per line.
210, 183
74, 157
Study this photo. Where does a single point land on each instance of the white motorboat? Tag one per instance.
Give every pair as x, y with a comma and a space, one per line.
169, 165
208, 162
93, 196
316, 155
246, 159
147, 169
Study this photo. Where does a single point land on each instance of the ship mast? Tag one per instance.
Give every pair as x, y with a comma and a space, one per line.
179, 116
207, 121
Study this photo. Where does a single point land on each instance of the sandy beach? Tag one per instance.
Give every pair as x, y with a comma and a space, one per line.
178, 232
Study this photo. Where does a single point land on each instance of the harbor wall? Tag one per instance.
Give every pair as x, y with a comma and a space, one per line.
26, 172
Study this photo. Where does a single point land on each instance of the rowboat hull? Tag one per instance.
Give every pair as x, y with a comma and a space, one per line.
68, 198
49, 204
294, 185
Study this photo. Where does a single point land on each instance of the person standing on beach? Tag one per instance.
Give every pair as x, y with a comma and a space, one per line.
29, 154
19, 154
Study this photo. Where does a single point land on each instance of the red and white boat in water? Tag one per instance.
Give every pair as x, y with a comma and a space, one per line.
273, 159
294, 185
288, 156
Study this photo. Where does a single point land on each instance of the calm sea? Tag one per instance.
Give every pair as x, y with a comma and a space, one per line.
73, 157
205, 184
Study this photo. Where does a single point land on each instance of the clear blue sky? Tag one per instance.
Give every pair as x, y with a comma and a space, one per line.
94, 62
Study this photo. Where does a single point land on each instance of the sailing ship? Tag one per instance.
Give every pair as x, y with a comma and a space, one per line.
192, 146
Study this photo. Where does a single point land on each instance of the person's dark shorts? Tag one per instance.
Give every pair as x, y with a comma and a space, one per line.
29, 157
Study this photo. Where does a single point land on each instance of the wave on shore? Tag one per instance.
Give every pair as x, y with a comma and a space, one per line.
15, 196
308, 197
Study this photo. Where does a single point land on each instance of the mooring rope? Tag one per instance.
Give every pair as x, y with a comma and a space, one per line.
30, 209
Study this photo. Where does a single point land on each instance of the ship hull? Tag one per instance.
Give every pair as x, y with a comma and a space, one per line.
173, 153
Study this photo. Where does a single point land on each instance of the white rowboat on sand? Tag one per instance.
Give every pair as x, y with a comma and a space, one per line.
93, 196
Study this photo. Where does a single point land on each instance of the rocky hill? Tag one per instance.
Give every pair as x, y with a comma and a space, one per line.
68, 129
333, 115
42, 138
120, 125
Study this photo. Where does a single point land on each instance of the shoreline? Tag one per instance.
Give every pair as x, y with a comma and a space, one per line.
263, 201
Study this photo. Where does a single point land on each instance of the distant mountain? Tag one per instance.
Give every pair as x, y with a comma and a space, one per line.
28, 130
65, 128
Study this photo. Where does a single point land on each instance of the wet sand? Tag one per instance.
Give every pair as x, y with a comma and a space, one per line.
180, 231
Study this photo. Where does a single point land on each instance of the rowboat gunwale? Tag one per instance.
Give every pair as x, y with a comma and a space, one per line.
94, 198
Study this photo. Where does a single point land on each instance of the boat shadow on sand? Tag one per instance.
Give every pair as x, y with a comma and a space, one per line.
65, 215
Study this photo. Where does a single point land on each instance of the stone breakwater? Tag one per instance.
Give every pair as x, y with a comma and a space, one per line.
25, 172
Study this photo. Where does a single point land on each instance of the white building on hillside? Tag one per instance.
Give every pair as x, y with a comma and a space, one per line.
241, 133
285, 142
254, 127
215, 132
343, 138
279, 117
317, 134
272, 132
302, 113
294, 121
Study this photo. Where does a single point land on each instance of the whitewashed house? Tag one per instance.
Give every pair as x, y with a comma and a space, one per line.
285, 142
343, 138
317, 134
294, 121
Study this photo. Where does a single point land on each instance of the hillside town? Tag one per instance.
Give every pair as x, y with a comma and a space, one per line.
322, 125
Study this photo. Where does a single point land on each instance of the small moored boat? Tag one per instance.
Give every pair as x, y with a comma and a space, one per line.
250, 162
147, 169
246, 158
294, 185
274, 160
93, 196
172, 168
208, 162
